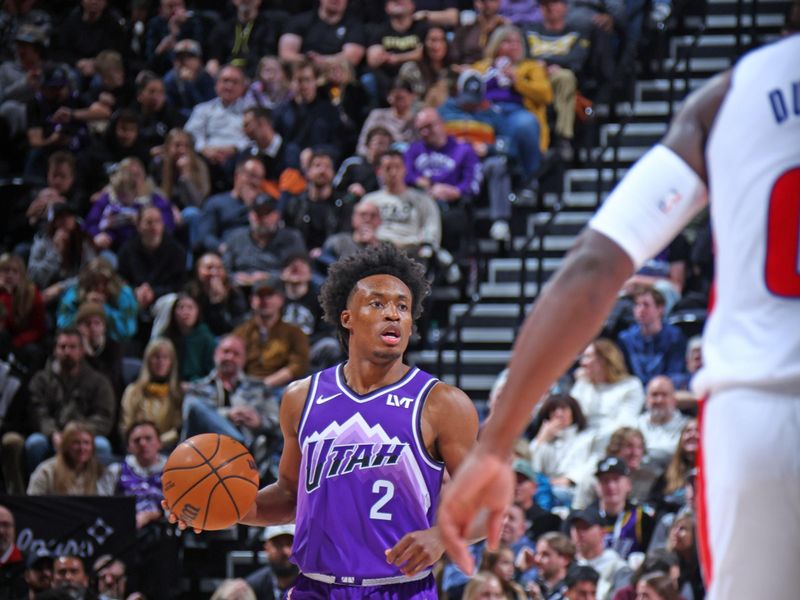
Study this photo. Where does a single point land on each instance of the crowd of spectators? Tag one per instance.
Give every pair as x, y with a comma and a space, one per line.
190, 169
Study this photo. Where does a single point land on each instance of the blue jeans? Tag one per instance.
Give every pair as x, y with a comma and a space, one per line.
191, 219
200, 417
38, 449
522, 127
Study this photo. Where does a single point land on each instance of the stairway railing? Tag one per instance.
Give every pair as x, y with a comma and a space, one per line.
453, 333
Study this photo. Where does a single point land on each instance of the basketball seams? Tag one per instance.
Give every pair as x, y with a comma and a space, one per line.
213, 471
222, 447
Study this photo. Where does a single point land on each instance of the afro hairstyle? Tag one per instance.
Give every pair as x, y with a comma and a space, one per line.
382, 260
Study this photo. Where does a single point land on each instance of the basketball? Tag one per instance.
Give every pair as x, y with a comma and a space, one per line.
210, 481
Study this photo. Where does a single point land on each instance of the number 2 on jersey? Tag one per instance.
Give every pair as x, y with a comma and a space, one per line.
782, 268
387, 488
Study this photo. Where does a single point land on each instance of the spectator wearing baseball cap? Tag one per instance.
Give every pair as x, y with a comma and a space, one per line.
255, 251
38, 571
470, 117
56, 119
279, 574
101, 352
540, 519
627, 526
588, 536
276, 351
20, 76
187, 83
166, 31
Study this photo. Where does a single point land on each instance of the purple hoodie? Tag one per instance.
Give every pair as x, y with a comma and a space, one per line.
118, 220
521, 11
455, 163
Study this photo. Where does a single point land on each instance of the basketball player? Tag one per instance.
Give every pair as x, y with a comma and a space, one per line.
739, 137
366, 444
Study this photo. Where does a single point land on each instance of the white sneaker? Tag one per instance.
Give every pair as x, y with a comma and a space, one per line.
500, 231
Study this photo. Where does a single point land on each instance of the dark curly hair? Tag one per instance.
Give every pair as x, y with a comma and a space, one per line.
382, 260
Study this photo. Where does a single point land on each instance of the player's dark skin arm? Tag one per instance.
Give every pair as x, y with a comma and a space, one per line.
565, 318
277, 502
449, 430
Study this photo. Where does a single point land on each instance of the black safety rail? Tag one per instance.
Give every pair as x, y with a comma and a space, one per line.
452, 335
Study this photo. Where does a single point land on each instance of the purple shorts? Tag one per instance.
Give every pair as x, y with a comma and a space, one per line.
308, 589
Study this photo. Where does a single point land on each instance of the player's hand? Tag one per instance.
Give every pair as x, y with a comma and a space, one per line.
483, 482
416, 551
173, 518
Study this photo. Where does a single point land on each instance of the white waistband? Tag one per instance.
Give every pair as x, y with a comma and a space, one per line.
358, 581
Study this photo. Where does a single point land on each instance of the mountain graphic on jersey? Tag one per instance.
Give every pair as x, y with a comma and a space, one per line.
356, 449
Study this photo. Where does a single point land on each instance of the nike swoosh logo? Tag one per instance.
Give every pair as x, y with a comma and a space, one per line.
324, 399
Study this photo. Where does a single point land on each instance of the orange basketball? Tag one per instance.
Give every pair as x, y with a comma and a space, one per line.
210, 481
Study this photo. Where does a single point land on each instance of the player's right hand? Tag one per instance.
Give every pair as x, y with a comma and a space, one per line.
483, 483
173, 518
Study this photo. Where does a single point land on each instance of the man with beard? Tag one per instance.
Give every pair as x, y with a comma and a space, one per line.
38, 573
101, 352
275, 351
260, 249
272, 581
68, 389
69, 575
111, 578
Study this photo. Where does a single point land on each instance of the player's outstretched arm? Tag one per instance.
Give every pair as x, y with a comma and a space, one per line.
276, 503
449, 428
656, 199
565, 318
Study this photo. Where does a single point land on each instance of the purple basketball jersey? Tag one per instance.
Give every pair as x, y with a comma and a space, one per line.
366, 478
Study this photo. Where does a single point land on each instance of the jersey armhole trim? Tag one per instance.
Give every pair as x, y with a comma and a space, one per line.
312, 391
419, 405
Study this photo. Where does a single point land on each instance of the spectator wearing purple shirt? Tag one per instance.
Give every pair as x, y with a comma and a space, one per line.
111, 220
448, 170
521, 11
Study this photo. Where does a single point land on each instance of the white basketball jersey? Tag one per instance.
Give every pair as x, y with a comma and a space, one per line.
752, 338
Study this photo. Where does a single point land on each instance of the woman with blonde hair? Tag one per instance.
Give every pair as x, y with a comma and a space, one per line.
156, 394
99, 282
74, 470
22, 316
484, 585
520, 89
111, 220
672, 485
608, 394
234, 589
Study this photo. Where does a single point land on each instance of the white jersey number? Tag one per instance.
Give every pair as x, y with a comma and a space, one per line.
782, 268
387, 488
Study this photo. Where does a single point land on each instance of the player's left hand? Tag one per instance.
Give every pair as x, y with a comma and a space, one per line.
173, 518
416, 551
